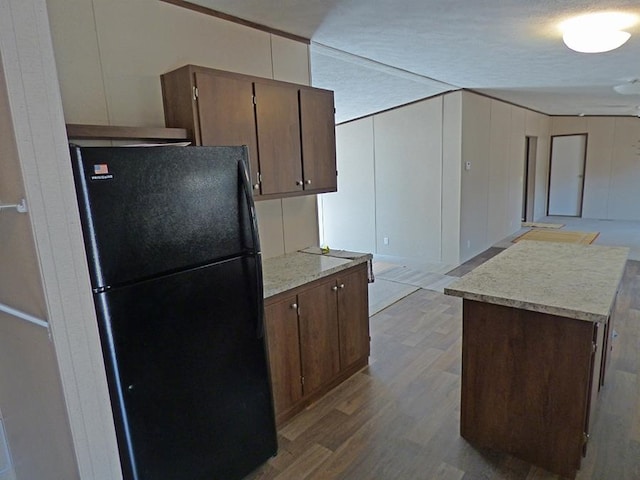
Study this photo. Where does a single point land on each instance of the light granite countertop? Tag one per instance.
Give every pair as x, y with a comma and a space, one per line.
565, 279
295, 269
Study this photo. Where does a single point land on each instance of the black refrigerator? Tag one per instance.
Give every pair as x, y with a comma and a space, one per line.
174, 259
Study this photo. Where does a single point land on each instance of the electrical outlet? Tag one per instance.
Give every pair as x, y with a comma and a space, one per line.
468, 243
385, 240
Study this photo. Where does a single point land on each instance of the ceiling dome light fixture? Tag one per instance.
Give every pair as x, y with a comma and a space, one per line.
629, 88
597, 32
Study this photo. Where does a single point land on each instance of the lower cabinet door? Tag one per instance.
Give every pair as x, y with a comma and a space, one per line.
281, 320
319, 338
353, 314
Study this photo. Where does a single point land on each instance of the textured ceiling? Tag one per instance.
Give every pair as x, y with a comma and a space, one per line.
377, 54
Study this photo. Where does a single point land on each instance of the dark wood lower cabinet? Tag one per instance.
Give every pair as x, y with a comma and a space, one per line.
317, 337
529, 383
281, 321
353, 295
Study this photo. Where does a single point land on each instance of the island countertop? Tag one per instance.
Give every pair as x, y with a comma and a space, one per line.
295, 269
565, 279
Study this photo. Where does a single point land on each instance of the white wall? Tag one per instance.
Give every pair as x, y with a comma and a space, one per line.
624, 191
423, 198
408, 180
110, 55
612, 175
390, 170
600, 149
515, 163
493, 141
349, 215
537, 125
498, 208
476, 149
451, 177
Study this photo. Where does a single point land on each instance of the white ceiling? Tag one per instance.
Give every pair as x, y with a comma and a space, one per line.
377, 54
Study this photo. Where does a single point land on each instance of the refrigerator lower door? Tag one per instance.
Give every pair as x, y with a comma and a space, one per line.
188, 375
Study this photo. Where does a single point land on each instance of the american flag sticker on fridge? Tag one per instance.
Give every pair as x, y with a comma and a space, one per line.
101, 169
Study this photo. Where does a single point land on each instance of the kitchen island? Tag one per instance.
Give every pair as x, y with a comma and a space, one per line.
537, 321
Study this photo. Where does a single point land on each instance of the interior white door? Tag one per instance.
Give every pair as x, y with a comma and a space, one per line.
566, 175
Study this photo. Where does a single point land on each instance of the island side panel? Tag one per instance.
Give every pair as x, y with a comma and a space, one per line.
597, 361
525, 384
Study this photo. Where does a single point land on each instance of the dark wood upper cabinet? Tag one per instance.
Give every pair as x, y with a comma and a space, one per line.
288, 128
318, 140
278, 138
225, 111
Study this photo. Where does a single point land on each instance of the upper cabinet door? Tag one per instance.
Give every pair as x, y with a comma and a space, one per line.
225, 110
278, 138
288, 128
317, 122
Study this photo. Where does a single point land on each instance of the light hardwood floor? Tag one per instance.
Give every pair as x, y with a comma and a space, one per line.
399, 417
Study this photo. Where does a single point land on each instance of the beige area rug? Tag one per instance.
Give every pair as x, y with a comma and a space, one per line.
564, 236
417, 278
394, 282
383, 293
542, 225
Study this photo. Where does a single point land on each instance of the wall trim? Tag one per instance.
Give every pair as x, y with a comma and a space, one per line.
238, 20
431, 97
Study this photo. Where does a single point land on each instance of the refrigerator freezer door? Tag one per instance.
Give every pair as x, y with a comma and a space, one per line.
154, 210
188, 374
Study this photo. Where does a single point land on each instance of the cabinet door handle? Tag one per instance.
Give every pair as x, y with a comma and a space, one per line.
308, 182
294, 306
342, 285
256, 186
299, 182
334, 288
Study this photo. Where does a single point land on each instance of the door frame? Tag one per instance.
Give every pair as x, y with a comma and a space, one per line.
584, 169
529, 178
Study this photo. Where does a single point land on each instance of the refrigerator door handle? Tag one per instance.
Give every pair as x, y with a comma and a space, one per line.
247, 188
259, 297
